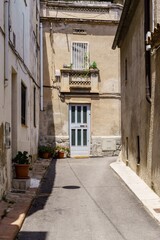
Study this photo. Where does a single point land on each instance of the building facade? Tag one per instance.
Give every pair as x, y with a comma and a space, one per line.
140, 88
81, 77
19, 83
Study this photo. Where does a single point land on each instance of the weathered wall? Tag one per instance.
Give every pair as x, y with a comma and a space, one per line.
135, 108
156, 8
105, 106
22, 67
3, 169
155, 181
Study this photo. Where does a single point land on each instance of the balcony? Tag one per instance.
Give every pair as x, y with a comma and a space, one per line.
79, 80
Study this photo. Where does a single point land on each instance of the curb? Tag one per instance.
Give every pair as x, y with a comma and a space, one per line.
149, 199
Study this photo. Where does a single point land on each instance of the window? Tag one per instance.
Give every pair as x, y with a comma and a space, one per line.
80, 55
79, 31
34, 107
23, 103
25, 1
126, 71
138, 150
127, 148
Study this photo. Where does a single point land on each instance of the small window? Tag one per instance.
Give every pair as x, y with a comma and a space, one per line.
127, 148
23, 103
79, 31
37, 12
138, 150
34, 107
14, 39
80, 55
25, 1
126, 71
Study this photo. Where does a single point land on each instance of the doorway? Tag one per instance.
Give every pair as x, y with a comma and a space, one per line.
79, 122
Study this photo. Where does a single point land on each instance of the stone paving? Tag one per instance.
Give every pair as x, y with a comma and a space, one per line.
14, 207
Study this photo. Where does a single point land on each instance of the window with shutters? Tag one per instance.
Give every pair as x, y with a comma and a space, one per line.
80, 55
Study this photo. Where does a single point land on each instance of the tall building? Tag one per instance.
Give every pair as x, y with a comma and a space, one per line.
19, 83
81, 77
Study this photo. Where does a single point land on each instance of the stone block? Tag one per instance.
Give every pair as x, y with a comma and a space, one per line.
109, 144
21, 184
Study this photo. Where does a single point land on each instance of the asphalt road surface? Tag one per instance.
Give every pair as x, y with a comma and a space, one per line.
83, 199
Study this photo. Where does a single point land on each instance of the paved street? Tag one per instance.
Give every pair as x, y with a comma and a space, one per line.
83, 199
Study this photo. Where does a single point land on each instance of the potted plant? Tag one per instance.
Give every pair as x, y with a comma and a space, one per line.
45, 151
93, 65
22, 161
69, 66
61, 151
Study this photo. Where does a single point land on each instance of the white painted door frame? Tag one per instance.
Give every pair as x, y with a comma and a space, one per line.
79, 127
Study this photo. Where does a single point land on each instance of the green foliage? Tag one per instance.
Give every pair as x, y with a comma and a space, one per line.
22, 158
45, 149
93, 65
60, 148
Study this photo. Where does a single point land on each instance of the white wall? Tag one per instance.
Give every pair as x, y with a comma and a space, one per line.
23, 67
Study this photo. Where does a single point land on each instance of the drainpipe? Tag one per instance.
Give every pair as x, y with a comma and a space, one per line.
6, 46
41, 67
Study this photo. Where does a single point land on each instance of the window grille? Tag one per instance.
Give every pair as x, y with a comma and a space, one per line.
80, 55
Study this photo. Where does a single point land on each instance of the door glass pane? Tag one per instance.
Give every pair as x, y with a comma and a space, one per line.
84, 114
73, 142
79, 114
84, 137
79, 137
73, 114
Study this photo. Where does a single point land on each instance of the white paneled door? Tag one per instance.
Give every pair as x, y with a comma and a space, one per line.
79, 129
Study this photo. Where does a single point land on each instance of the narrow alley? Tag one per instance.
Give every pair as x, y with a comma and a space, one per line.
83, 199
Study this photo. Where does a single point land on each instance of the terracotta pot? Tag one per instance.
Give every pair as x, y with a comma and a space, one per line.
60, 154
46, 155
22, 170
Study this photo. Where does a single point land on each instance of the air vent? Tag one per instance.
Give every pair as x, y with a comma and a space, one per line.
79, 31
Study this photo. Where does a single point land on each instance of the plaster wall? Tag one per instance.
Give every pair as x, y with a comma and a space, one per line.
156, 11
21, 68
135, 110
3, 173
155, 174
100, 42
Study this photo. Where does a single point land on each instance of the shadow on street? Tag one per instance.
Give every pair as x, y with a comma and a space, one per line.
45, 189
32, 235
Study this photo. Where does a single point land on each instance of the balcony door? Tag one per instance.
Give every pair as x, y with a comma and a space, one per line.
79, 129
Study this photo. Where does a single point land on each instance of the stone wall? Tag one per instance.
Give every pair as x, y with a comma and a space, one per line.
105, 146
